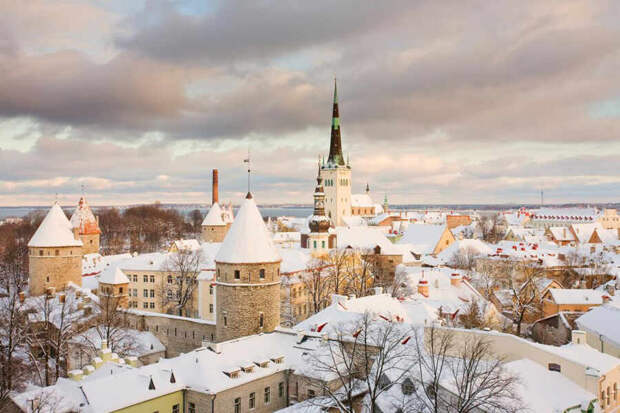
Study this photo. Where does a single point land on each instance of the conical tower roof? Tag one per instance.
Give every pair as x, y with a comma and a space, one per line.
214, 216
54, 231
248, 240
84, 219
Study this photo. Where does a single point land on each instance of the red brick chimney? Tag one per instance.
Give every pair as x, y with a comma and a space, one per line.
214, 189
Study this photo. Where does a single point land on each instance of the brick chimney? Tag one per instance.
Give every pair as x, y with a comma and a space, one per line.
214, 188
423, 287
455, 279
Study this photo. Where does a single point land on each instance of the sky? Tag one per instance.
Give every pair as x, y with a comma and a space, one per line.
455, 101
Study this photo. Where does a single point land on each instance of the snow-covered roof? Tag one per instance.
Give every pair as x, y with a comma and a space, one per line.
214, 216
186, 245
248, 240
361, 237
576, 296
130, 342
113, 276
361, 201
565, 214
602, 321
546, 391
583, 232
562, 233
54, 231
84, 219
423, 237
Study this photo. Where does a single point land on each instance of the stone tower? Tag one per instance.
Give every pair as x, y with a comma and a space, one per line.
114, 285
54, 254
247, 277
214, 228
336, 173
87, 226
318, 238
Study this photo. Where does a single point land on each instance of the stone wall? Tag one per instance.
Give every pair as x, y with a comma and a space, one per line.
178, 334
91, 243
214, 233
240, 302
54, 267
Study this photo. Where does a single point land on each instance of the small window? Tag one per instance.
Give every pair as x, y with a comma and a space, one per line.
261, 273
267, 395
225, 321
252, 403
152, 278
41, 252
145, 305
57, 252
152, 293
169, 295
175, 408
261, 320
555, 367
191, 408
281, 389
211, 308
311, 393
169, 279
145, 293
210, 290
120, 290
237, 275
238, 405
152, 305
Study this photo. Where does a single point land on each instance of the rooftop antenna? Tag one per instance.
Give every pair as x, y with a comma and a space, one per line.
247, 160
541, 198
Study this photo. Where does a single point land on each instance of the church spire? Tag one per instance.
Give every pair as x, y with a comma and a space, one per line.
335, 146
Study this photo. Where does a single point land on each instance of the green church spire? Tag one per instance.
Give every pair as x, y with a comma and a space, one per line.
335, 146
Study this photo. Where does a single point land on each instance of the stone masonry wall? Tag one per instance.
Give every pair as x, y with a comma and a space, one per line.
54, 267
214, 233
239, 306
91, 243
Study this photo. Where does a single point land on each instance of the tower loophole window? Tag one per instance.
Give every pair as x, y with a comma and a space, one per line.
237, 274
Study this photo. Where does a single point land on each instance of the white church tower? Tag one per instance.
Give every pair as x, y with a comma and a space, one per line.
336, 174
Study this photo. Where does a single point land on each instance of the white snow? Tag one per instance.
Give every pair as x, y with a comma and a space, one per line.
576, 296
54, 231
214, 216
113, 276
248, 240
423, 237
603, 321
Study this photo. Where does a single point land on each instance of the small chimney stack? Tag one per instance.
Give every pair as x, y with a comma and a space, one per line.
455, 279
214, 188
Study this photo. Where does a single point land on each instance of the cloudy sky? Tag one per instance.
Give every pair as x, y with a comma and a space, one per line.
441, 101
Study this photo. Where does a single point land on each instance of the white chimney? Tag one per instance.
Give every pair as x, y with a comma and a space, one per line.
578, 337
300, 336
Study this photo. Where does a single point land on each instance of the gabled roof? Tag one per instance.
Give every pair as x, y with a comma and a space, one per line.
576, 296
54, 231
214, 216
602, 321
113, 276
423, 237
248, 240
361, 200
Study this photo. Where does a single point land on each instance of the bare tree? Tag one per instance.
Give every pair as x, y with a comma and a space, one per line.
183, 267
317, 283
52, 324
462, 376
491, 229
363, 357
464, 258
287, 317
12, 324
400, 286
524, 301
337, 260
360, 270
195, 218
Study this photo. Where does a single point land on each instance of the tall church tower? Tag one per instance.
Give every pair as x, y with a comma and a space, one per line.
336, 174
247, 277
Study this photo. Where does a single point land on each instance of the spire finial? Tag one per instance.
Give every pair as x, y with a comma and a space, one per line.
247, 160
335, 90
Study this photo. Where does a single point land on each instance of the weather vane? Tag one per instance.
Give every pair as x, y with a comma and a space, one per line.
247, 160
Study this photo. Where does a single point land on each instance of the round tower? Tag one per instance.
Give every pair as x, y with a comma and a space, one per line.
87, 226
318, 238
54, 254
214, 228
247, 277
114, 286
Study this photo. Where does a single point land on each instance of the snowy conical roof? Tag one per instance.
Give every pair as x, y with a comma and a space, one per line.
248, 240
214, 217
54, 231
114, 277
84, 219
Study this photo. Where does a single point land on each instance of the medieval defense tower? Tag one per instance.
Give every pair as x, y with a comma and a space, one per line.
87, 226
54, 254
247, 277
336, 174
